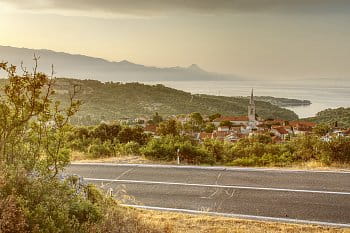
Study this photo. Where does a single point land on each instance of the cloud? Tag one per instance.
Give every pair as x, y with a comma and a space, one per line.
156, 7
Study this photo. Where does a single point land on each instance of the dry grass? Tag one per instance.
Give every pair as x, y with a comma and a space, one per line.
130, 159
187, 223
310, 165
321, 166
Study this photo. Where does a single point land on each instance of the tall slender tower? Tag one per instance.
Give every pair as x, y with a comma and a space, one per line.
251, 111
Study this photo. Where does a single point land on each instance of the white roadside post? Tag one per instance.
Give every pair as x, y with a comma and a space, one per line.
178, 157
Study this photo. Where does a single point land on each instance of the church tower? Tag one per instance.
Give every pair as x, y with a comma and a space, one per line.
251, 110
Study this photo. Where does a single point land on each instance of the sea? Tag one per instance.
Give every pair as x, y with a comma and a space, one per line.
323, 95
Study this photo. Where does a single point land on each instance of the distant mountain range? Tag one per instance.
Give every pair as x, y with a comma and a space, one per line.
85, 67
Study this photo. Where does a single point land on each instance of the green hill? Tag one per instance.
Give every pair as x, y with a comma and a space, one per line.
330, 116
110, 101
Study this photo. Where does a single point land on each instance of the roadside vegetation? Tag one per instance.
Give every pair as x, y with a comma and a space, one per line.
114, 140
33, 152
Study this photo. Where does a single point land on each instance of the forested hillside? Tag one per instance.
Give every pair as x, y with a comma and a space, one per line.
110, 101
114, 100
331, 116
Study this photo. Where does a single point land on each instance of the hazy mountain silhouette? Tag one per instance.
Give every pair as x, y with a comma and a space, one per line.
85, 67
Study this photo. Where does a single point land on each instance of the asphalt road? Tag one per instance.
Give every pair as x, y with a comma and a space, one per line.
267, 194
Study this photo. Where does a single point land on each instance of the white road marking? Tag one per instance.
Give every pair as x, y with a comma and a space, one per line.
252, 217
216, 168
217, 186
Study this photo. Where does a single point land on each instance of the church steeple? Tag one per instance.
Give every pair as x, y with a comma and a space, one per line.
252, 98
251, 110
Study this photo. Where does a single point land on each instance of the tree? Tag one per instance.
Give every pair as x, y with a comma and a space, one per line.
209, 128
195, 123
156, 119
196, 118
135, 134
106, 131
33, 138
214, 116
33, 131
168, 127
321, 129
33, 126
226, 123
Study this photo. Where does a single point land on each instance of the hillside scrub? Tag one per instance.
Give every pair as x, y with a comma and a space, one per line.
33, 152
339, 117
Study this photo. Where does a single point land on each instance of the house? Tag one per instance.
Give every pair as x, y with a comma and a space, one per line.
224, 128
347, 133
220, 135
271, 122
141, 121
203, 135
125, 121
338, 133
302, 127
233, 137
280, 132
236, 129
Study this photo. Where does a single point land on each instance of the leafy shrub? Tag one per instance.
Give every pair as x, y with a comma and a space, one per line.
12, 216
99, 149
194, 154
163, 148
130, 148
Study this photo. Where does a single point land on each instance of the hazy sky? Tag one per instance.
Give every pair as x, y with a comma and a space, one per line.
254, 38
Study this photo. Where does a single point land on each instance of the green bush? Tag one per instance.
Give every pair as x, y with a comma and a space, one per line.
99, 149
163, 148
49, 205
130, 148
194, 154
337, 150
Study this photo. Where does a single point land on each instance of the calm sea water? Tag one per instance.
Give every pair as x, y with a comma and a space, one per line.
322, 96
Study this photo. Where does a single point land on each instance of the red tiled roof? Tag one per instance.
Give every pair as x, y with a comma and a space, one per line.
274, 122
302, 124
231, 118
347, 132
281, 130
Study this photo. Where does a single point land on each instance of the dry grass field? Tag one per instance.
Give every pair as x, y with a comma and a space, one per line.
187, 223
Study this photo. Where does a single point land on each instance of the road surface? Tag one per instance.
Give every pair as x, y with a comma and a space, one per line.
319, 197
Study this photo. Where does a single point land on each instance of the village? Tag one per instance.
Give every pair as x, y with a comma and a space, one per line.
235, 128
